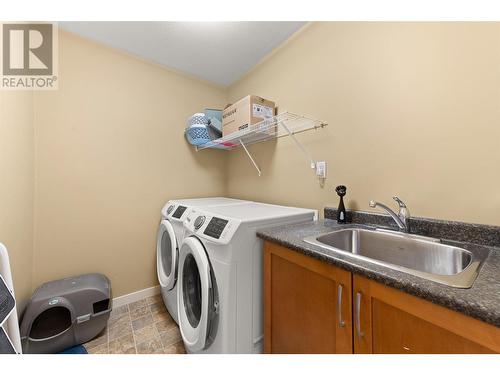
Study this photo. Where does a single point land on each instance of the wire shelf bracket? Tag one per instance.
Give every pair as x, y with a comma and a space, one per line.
251, 158
282, 125
300, 146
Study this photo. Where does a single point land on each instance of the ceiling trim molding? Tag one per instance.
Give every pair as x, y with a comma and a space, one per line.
271, 54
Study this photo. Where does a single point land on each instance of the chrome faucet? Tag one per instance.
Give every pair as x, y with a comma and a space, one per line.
402, 219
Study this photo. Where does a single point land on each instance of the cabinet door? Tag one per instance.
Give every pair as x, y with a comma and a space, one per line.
307, 304
390, 321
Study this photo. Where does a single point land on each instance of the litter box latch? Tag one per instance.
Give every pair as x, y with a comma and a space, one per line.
83, 318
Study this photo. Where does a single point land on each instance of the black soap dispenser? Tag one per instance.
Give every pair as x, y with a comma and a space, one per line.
341, 214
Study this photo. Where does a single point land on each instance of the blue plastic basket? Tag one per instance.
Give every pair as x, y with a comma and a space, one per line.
197, 135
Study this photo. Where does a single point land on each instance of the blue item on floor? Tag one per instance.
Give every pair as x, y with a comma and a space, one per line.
78, 349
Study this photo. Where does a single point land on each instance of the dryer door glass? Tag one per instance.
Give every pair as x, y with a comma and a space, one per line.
166, 255
192, 290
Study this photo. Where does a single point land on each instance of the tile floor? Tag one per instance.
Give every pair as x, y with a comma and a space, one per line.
142, 327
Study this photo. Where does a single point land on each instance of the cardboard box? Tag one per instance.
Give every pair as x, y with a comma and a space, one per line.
246, 112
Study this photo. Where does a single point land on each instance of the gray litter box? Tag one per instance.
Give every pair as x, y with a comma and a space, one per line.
65, 313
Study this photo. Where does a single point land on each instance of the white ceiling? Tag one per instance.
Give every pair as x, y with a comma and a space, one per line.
220, 52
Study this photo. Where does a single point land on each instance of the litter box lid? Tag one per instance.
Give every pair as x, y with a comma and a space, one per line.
71, 285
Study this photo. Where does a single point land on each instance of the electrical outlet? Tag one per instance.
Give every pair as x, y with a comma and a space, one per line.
321, 169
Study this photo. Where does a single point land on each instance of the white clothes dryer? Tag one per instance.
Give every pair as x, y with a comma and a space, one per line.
220, 307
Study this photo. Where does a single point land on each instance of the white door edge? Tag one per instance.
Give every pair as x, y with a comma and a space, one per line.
194, 337
166, 281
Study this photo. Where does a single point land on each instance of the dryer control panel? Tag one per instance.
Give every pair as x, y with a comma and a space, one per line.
174, 211
179, 211
214, 228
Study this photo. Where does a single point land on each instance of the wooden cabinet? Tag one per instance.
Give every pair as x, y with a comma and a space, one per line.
307, 307
313, 307
387, 320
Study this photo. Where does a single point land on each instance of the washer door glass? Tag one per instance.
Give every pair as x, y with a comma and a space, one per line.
191, 290
166, 255
194, 294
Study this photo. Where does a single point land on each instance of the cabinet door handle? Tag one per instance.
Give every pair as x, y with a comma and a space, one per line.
339, 306
358, 315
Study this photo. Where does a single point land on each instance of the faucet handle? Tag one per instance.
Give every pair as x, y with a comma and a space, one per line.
404, 213
399, 202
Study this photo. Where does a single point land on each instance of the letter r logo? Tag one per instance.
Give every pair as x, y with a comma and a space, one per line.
27, 49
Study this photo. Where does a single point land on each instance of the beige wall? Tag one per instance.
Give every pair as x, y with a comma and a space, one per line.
16, 186
109, 152
413, 110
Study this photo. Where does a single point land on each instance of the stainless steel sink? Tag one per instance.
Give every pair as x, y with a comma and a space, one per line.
420, 256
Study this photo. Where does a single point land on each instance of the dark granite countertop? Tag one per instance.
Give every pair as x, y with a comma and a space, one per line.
481, 301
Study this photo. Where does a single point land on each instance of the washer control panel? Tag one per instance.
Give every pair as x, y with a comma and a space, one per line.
215, 227
203, 224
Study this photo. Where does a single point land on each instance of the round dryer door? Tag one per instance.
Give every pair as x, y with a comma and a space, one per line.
166, 255
196, 295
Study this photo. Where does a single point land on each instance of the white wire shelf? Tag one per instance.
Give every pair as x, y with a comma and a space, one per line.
284, 124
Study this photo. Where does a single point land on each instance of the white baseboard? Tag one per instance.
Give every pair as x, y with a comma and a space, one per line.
136, 296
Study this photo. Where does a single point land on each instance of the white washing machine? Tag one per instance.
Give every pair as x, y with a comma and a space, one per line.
170, 236
220, 306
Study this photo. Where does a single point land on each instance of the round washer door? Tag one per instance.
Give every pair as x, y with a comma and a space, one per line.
166, 255
193, 294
